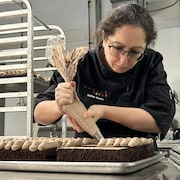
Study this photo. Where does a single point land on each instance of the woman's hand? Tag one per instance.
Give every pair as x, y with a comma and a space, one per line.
64, 93
94, 111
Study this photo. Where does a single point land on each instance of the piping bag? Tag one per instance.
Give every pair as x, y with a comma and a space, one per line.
66, 64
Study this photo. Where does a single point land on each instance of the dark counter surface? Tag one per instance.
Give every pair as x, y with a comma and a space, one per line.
163, 170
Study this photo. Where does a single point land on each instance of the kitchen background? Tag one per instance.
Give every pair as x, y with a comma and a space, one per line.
79, 18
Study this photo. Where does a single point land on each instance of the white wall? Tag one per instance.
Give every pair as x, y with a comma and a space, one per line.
70, 15
15, 123
168, 43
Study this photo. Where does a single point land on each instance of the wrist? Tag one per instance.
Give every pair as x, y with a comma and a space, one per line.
102, 110
58, 110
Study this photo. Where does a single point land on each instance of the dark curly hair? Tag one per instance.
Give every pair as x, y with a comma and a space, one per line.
128, 14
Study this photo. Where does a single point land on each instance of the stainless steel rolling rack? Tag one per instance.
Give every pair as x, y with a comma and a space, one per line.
23, 40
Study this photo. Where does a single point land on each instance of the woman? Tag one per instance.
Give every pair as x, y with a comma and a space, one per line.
122, 82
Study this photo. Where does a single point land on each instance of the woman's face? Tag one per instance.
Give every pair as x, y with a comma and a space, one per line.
124, 48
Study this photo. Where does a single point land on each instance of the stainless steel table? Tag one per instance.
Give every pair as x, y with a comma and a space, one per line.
163, 170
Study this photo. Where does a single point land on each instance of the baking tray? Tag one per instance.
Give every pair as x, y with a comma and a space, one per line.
168, 143
81, 167
176, 148
174, 156
174, 163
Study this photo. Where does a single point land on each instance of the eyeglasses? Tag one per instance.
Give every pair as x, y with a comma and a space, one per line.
132, 56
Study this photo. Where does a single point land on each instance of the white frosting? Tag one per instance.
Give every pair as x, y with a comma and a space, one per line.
102, 142
135, 142
117, 142
110, 142
34, 144
125, 141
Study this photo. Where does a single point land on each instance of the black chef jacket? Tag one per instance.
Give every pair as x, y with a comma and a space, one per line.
144, 86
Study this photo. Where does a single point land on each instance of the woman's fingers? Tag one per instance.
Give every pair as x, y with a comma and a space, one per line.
64, 93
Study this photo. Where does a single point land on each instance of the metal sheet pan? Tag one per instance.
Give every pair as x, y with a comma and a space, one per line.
174, 156
81, 167
174, 163
176, 148
168, 143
